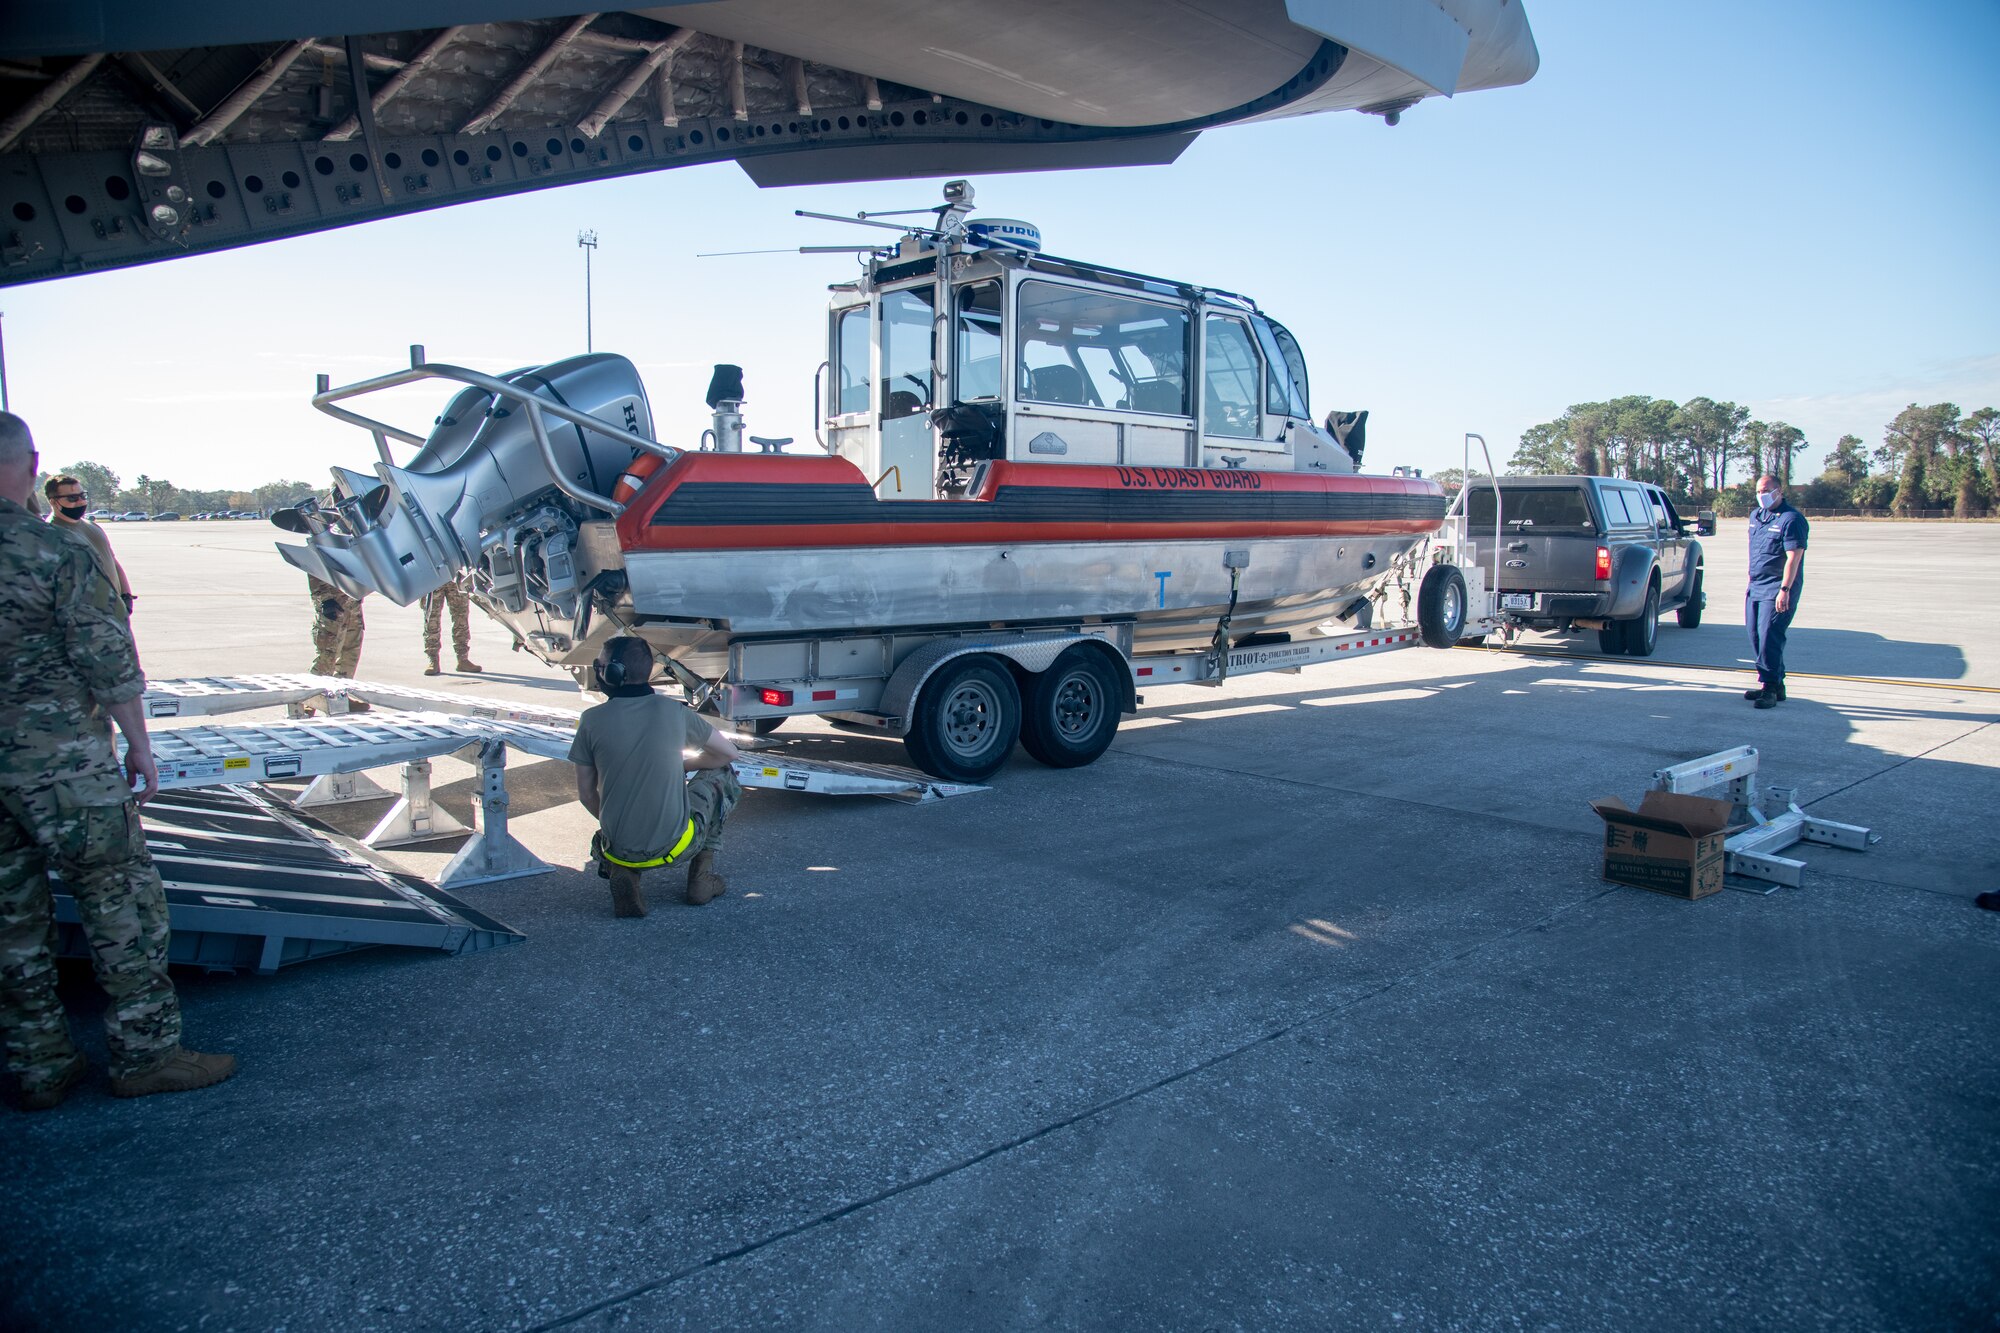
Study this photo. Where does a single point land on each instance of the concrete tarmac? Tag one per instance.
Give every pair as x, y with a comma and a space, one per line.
1302, 1008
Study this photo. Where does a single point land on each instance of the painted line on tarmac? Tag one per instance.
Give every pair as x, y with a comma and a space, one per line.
1739, 670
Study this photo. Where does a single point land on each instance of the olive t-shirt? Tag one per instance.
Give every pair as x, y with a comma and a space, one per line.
635, 745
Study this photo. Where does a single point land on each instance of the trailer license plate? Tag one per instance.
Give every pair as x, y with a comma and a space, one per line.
1517, 601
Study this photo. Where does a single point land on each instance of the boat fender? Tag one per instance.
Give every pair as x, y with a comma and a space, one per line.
635, 476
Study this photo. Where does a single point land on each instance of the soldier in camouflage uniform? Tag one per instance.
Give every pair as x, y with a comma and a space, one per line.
337, 627
66, 661
453, 595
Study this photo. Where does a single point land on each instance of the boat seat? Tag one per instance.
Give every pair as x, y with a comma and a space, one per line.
1056, 384
1159, 396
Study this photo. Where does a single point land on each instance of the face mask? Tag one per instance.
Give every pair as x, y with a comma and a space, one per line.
1767, 499
73, 511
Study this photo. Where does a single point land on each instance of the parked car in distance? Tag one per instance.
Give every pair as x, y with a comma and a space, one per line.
166, 516
1596, 553
135, 516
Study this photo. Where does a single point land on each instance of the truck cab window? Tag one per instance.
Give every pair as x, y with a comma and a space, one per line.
1231, 378
850, 361
906, 353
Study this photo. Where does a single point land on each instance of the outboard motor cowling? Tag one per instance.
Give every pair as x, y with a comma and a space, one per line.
407, 531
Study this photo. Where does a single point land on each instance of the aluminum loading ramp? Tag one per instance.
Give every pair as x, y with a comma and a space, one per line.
252, 886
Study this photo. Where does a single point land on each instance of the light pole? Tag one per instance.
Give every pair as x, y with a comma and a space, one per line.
587, 241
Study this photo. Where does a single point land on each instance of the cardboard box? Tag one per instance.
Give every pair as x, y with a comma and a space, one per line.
1671, 844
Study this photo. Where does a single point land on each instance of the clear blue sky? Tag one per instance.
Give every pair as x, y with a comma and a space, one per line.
1791, 205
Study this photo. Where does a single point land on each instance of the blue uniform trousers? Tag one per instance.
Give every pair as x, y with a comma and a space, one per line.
1767, 626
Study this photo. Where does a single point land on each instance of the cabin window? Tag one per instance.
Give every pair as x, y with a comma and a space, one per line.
1285, 373
906, 352
1231, 377
850, 357
1089, 348
979, 343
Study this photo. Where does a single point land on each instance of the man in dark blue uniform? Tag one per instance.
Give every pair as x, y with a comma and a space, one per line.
1777, 578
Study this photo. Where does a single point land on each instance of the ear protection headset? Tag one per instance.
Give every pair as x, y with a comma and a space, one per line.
613, 672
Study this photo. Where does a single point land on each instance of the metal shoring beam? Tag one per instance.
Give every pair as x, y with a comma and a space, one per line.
628, 87
45, 101
795, 70
137, 62
528, 73
397, 82
245, 96
737, 106
415, 817
663, 88
364, 107
388, 64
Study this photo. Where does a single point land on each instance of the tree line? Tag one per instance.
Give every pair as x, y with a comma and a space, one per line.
156, 495
1711, 453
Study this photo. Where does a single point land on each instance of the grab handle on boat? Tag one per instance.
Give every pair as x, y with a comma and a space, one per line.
885, 476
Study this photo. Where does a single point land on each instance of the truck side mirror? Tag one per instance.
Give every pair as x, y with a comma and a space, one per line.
1704, 522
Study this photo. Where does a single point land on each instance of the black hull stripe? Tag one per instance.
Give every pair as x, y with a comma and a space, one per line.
739, 504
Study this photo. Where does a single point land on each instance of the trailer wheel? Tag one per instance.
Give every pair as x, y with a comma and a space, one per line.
965, 720
1071, 710
1441, 606
1689, 615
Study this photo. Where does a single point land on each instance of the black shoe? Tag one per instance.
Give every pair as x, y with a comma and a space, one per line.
1768, 701
1757, 693
1989, 900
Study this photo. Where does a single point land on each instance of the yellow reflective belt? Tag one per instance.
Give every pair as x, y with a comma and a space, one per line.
687, 836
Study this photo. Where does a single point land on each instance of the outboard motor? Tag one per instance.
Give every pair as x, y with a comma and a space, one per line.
480, 494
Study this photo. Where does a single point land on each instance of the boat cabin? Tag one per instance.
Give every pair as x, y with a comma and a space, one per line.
956, 349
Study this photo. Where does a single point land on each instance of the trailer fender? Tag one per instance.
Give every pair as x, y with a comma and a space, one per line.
1032, 655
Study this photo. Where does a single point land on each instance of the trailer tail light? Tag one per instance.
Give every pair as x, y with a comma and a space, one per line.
775, 698
1603, 564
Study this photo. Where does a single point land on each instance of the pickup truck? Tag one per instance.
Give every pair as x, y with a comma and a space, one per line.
1591, 553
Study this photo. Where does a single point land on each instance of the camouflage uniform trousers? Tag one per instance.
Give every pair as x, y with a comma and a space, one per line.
336, 637
87, 827
711, 794
452, 594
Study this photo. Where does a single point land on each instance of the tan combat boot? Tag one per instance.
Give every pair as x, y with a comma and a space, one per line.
626, 897
183, 1071
50, 1097
432, 669
466, 664
705, 884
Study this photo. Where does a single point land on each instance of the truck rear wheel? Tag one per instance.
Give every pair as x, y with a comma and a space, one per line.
965, 721
1611, 636
1071, 710
1643, 634
1689, 615
1441, 606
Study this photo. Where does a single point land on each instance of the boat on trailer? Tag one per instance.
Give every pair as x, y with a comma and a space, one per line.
1010, 445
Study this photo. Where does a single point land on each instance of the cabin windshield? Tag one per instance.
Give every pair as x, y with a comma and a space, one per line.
906, 352
1285, 371
1090, 348
978, 341
850, 361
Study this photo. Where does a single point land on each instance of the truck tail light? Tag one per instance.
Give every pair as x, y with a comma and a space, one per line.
775, 698
1603, 563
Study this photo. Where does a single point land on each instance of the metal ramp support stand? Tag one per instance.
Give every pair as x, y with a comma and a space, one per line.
492, 853
415, 817
339, 789
1752, 854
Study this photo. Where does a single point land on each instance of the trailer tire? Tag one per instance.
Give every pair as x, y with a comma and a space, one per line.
1689, 616
965, 721
1071, 713
1441, 606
